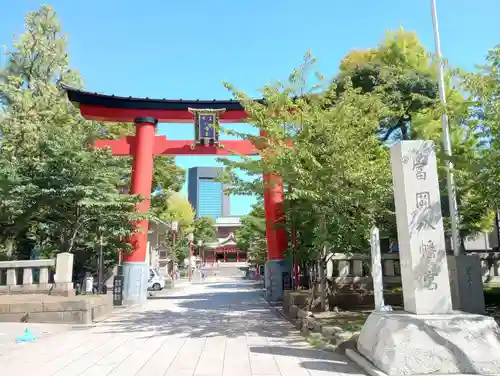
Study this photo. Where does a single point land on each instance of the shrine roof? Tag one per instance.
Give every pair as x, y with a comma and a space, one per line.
77, 96
228, 221
228, 241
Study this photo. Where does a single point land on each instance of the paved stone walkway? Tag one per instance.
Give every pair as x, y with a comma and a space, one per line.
215, 329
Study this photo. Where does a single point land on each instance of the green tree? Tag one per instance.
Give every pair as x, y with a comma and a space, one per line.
40, 55
251, 236
57, 193
174, 207
337, 167
404, 73
55, 188
483, 88
204, 229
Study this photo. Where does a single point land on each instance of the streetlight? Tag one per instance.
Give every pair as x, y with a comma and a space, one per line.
452, 199
190, 238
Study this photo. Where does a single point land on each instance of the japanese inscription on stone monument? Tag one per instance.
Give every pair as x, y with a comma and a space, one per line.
424, 271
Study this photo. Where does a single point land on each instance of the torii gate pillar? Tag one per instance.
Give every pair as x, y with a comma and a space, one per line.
135, 268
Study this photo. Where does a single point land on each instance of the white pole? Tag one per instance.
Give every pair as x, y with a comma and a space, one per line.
452, 199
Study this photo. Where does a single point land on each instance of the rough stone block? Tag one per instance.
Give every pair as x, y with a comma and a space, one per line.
11, 317
407, 344
4, 308
63, 289
350, 343
46, 317
330, 331
329, 347
302, 314
310, 323
293, 312
466, 283
71, 305
318, 326
26, 307
81, 317
345, 336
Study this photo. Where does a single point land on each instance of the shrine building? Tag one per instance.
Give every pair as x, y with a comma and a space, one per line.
224, 249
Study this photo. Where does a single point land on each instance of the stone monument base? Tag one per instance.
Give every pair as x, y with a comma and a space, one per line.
400, 343
466, 283
135, 282
274, 272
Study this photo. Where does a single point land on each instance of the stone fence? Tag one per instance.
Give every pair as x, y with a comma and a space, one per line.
52, 276
349, 270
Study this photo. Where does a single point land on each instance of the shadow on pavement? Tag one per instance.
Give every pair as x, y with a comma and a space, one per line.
227, 313
327, 361
223, 295
339, 367
227, 286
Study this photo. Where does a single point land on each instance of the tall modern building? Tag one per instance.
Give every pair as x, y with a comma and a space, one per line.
206, 194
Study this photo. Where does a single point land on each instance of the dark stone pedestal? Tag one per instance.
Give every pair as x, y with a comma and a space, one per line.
277, 278
466, 283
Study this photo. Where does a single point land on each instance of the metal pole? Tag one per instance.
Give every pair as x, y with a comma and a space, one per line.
452, 199
190, 258
99, 268
173, 251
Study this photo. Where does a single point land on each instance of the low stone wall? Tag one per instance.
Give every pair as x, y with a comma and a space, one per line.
297, 298
316, 326
357, 300
342, 300
54, 309
328, 337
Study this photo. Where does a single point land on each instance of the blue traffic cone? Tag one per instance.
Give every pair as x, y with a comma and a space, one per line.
26, 337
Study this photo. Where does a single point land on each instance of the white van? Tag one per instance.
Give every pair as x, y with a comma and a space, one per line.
155, 282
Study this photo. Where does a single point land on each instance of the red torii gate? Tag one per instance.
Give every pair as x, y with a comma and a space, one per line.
146, 113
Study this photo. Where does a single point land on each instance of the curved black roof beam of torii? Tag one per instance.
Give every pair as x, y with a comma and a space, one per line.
103, 107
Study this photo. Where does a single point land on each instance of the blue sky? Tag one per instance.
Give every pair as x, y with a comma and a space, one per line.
184, 49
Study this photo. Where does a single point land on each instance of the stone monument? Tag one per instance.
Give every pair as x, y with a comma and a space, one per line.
63, 278
428, 337
378, 283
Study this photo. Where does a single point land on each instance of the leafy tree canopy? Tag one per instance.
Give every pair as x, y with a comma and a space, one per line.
251, 236
401, 70
336, 170
204, 229
57, 193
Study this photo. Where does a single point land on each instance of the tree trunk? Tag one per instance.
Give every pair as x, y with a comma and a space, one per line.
71, 242
312, 297
322, 279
